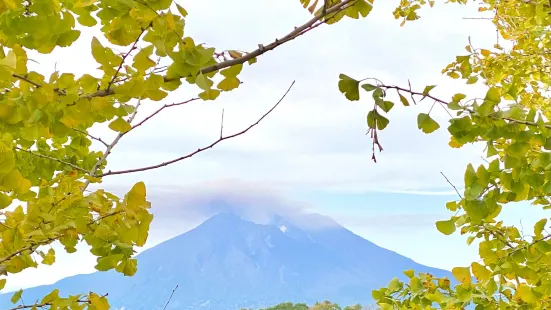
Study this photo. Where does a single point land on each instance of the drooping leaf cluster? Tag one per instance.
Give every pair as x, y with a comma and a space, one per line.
512, 120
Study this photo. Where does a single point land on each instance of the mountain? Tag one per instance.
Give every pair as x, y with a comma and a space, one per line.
229, 263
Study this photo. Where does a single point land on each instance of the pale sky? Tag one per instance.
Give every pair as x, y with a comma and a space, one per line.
312, 152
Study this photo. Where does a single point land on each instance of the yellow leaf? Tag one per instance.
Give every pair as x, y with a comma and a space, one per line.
120, 125
526, 294
485, 52
136, 196
480, 272
171, 25
10, 61
83, 3
99, 303
462, 274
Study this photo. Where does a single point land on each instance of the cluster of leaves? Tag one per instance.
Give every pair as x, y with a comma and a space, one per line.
46, 157
514, 270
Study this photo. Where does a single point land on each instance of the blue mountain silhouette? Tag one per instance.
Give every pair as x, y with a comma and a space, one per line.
230, 263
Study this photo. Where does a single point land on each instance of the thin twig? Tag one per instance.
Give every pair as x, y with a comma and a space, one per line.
528, 123
52, 158
26, 248
203, 148
109, 148
451, 184
133, 47
160, 109
91, 137
169, 298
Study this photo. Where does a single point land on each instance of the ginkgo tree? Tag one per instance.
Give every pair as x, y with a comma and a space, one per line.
47, 159
512, 120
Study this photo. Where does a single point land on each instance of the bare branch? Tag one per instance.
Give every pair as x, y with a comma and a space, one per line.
109, 148
443, 102
451, 185
169, 298
91, 137
200, 149
24, 78
160, 109
52, 158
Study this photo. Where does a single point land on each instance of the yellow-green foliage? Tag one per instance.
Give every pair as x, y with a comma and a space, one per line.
514, 271
46, 159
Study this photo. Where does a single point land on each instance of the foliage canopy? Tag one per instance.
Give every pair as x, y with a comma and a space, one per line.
514, 270
47, 161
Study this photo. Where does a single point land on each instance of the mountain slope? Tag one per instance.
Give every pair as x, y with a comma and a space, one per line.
229, 263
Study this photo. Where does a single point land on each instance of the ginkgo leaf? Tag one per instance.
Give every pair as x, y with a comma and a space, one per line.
349, 87
462, 274
426, 123
120, 125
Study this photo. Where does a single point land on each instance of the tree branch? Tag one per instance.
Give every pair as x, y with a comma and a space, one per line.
53, 158
26, 248
37, 305
298, 31
169, 298
109, 148
203, 148
133, 47
91, 137
159, 110
409, 91
445, 177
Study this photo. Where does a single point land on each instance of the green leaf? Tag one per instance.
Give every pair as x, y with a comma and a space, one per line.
446, 227
404, 101
349, 87
394, 285
384, 105
209, 94
493, 95
98, 51
10, 61
369, 87
426, 123
16, 296
2, 283
428, 89
539, 227
518, 149
49, 258
120, 125
5, 200
142, 62
182, 11
409, 273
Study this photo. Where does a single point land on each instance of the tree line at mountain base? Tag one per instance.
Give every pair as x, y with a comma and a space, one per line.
326, 305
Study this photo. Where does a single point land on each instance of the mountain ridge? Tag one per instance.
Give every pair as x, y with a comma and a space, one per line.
228, 262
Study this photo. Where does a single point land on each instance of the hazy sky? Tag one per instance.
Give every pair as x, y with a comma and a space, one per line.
312, 152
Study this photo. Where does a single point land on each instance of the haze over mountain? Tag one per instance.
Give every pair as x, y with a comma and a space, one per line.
228, 262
